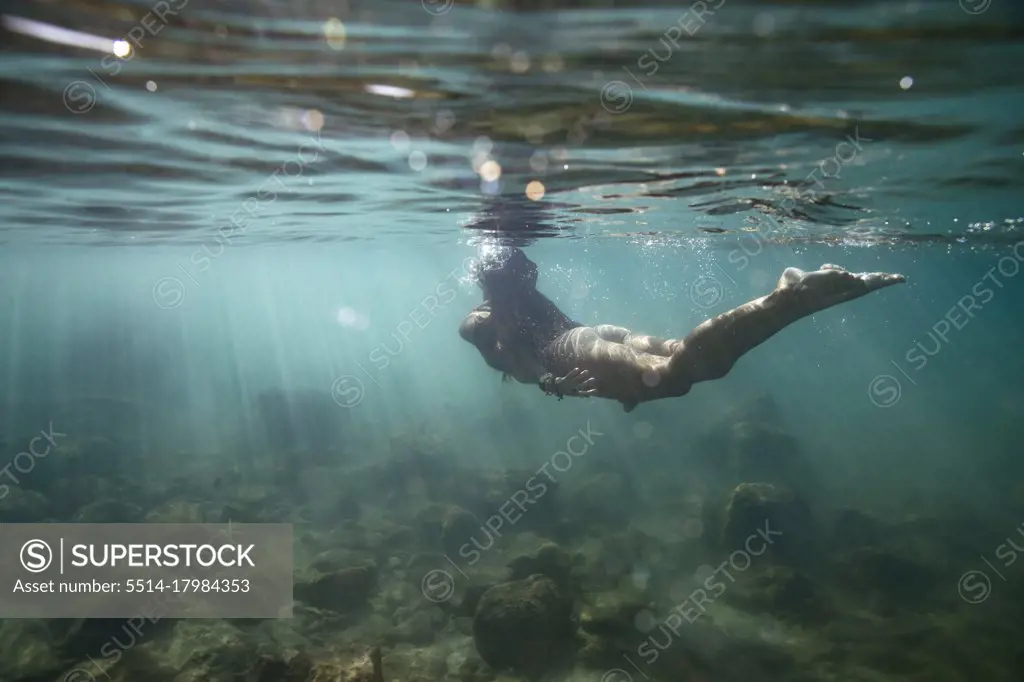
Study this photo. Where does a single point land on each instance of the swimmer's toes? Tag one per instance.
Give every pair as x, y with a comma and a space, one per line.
879, 280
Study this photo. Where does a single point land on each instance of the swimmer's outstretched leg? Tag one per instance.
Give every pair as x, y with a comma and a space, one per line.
711, 350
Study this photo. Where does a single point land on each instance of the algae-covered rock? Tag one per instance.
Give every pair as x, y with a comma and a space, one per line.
177, 511
782, 592
761, 409
339, 559
83, 637
549, 560
205, 651
28, 650
276, 668
241, 502
450, 528
889, 579
22, 506
759, 451
458, 528
109, 511
855, 528
239, 514
751, 443
471, 596
346, 508
473, 670
601, 653
761, 518
730, 645
418, 627
367, 667
70, 493
523, 625
606, 561
613, 614
343, 590
130, 665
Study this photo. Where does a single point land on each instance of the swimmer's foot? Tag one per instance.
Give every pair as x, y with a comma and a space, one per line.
832, 285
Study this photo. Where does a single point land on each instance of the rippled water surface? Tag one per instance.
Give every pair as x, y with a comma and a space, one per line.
356, 120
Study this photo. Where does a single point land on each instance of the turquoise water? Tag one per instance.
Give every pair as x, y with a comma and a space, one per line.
235, 261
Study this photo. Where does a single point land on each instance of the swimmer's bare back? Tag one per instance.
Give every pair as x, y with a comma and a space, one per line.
611, 362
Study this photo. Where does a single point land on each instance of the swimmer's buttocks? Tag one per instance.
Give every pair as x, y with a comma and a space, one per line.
479, 328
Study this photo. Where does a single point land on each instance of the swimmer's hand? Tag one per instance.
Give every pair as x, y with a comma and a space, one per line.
578, 383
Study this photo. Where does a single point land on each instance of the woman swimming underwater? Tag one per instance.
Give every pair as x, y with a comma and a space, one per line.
523, 334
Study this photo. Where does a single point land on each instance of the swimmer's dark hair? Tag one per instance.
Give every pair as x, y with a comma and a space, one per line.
506, 271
